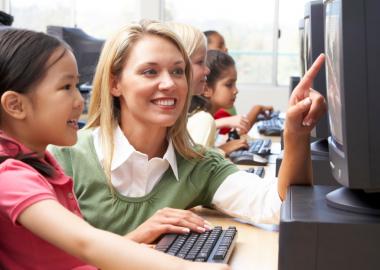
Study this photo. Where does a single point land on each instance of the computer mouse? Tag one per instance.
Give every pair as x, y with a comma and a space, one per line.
272, 132
233, 135
249, 159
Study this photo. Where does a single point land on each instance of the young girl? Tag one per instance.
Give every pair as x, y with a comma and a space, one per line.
226, 118
201, 125
220, 89
40, 222
134, 165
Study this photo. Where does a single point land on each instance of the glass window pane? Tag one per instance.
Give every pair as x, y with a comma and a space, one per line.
36, 15
288, 47
247, 27
101, 18
94, 17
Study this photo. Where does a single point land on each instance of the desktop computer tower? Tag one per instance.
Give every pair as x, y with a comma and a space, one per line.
314, 236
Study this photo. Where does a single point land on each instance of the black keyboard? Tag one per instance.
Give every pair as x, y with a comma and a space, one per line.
260, 171
258, 146
81, 123
215, 245
263, 117
272, 127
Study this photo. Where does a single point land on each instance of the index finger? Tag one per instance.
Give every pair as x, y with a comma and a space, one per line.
312, 72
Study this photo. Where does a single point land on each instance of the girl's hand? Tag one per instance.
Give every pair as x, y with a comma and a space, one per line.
168, 220
240, 122
234, 145
266, 110
306, 106
255, 111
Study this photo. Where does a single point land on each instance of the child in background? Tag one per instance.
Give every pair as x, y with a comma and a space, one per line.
40, 221
215, 41
226, 117
221, 87
201, 124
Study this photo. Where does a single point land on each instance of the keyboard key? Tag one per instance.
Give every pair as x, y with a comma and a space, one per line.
166, 242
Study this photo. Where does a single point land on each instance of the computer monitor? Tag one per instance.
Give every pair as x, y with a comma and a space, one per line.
352, 43
313, 47
301, 33
294, 80
86, 49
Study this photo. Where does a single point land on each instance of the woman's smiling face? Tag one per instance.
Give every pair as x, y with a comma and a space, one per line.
152, 86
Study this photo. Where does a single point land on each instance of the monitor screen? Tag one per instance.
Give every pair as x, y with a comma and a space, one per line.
301, 30
85, 48
333, 76
306, 43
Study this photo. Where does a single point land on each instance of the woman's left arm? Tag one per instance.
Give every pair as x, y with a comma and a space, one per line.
306, 107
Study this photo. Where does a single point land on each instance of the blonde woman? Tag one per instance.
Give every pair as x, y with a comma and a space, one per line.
135, 167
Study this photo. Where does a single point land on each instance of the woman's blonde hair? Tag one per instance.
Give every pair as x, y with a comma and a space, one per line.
104, 109
192, 38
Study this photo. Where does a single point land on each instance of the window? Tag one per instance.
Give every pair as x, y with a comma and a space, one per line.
102, 18
249, 27
94, 17
288, 44
250, 31
36, 15
247, 31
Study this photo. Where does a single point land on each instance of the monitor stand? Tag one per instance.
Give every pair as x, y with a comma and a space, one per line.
356, 201
320, 147
315, 236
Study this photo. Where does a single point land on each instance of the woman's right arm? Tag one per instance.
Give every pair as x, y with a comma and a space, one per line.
102, 249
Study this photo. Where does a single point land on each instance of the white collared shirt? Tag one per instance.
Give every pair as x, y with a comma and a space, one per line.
242, 194
128, 164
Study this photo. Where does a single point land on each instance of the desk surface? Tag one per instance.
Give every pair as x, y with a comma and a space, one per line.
256, 248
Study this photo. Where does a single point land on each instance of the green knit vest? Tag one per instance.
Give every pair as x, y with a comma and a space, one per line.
198, 181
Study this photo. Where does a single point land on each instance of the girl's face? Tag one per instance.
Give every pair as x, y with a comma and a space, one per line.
152, 86
216, 42
54, 105
224, 91
200, 70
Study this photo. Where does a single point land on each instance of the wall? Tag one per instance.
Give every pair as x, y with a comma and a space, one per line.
4, 5
150, 9
250, 95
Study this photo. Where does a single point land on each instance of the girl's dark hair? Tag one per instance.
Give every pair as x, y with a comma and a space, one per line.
209, 33
217, 62
5, 18
23, 58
